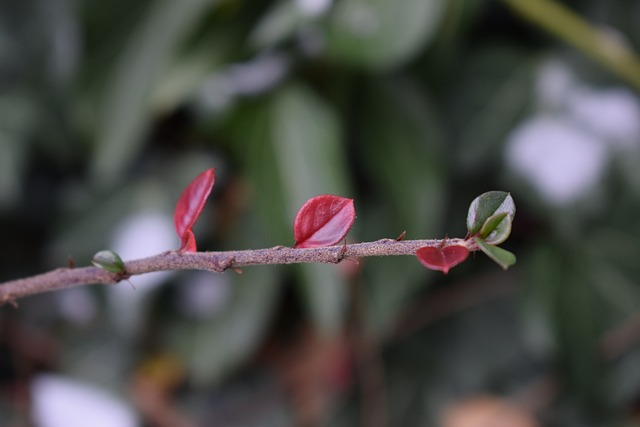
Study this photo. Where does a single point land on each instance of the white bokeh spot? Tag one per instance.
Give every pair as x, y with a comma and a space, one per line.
141, 235
613, 114
554, 83
313, 8
58, 401
560, 160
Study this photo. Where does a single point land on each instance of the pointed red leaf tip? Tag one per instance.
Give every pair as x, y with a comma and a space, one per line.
323, 221
442, 259
189, 206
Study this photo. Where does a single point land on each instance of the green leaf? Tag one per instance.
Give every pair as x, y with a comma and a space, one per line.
16, 123
381, 33
497, 228
109, 261
491, 223
187, 71
218, 345
563, 297
279, 23
125, 107
401, 147
493, 93
485, 206
503, 258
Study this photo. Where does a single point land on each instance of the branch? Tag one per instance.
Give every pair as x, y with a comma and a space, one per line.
63, 278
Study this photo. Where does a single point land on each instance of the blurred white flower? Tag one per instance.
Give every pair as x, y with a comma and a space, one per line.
203, 294
553, 84
313, 7
220, 90
613, 114
58, 401
559, 159
140, 235
77, 305
565, 155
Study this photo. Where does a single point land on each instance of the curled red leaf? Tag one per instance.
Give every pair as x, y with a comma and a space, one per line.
323, 221
190, 206
188, 242
442, 259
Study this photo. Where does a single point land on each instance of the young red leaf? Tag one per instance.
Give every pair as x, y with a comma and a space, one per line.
442, 259
189, 206
188, 242
323, 221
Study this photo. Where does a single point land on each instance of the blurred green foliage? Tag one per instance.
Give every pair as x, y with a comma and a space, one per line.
108, 109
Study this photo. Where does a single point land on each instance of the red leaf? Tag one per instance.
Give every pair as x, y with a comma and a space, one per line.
189, 206
323, 221
442, 259
188, 242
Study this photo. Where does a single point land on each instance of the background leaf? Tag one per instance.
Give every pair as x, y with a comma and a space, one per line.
381, 33
411, 108
306, 140
125, 106
293, 142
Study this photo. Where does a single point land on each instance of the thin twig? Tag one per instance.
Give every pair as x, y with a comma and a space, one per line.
62, 278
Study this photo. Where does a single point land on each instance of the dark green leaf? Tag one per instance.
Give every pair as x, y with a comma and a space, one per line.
125, 107
503, 258
487, 205
566, 299
279, 23
491, 96
109, 261
402, 149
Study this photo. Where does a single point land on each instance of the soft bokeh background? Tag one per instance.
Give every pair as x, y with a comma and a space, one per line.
411, 107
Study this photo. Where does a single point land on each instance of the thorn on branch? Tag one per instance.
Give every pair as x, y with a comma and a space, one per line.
222, 266
8, 299
119, 277
341, 253
401, 236
123, 276
386, 240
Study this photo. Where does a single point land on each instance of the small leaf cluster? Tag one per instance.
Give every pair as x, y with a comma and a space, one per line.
489, 224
